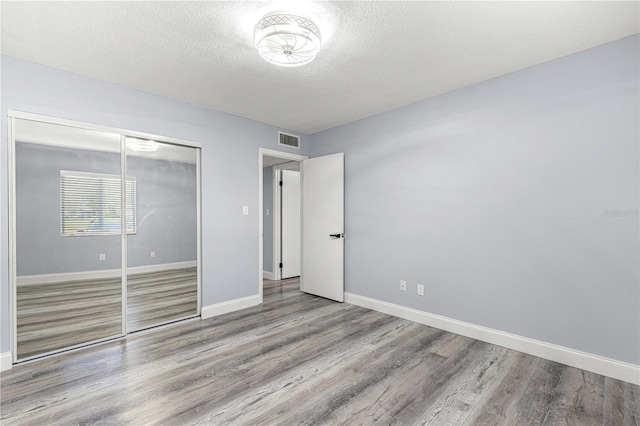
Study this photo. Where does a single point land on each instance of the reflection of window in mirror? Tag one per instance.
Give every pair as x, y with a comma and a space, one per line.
90, 204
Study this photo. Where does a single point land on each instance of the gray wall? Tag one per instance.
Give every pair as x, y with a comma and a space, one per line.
267, 222
514, 201
229, 165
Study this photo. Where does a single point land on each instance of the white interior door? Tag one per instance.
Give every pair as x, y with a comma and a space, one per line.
323, 226
290, 228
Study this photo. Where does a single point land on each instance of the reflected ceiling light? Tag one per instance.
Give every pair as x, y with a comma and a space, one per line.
287, 40
142, 145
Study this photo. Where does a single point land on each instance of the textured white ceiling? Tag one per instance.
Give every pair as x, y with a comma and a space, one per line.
377, 55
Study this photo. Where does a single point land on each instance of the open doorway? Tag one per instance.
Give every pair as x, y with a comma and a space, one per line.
279, 230
285, 244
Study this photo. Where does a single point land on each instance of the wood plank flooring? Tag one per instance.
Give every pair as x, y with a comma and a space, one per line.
300, 359
54, 316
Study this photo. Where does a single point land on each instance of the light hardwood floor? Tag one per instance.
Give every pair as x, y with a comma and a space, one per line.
303, 359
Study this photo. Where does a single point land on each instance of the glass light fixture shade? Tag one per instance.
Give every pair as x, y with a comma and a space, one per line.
287, 40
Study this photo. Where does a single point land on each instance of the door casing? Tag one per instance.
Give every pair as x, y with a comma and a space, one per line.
277, 213
290, 225
262, 152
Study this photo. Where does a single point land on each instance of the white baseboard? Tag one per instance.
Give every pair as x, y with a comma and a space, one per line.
268, 275
146, 269
68, 276
102, 274
585, 361
6, 361
230, 306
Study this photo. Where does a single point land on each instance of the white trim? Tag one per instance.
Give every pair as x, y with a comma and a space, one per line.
271, 153
69, 348
83, 125
161, 267
105, 273
124, 239
275, 217
278, 223
6, 361
585, 361
173, 323
277, 214
260, 224
230, 306
66, 351
268, 275
13, 314
199, 227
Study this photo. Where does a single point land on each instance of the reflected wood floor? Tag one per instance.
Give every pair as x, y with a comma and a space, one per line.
160, 297
303, 359
54, 316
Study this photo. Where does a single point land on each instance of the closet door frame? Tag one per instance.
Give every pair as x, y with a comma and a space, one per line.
123, 230
13, 115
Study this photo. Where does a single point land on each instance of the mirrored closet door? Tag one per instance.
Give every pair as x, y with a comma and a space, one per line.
162, 275
68, 258
104, 234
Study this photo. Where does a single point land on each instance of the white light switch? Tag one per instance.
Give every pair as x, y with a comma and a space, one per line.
245, 210
267, 212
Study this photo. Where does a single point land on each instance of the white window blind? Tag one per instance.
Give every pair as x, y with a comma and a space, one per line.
90, 204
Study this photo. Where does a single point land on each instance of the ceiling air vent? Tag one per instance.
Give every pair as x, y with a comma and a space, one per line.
286, 139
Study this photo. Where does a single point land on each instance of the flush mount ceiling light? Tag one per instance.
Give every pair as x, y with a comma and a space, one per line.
142, 145
287, 40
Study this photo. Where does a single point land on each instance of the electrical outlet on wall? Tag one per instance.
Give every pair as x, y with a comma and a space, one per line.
152, 254
403, 285
103, 256
420, 290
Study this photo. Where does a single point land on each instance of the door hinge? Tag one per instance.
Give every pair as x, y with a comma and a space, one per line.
281, 265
